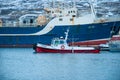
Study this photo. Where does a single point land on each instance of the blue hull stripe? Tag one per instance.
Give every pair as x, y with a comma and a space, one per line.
77, 33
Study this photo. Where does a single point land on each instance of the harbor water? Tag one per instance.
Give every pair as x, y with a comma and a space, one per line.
24, 64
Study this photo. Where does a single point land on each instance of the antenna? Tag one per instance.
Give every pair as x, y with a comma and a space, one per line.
66, 34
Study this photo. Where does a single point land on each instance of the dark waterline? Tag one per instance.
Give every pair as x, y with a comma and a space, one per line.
23, 64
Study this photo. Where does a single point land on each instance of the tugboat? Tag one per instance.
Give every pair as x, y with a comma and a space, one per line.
59, 45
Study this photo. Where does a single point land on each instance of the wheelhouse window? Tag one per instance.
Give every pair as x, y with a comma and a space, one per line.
56, 42
61, 42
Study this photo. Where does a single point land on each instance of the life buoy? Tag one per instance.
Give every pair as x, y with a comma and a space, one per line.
62, 47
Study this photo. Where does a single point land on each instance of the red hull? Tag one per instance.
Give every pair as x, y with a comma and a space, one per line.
96, 42
116, 37
92, 42
45, 50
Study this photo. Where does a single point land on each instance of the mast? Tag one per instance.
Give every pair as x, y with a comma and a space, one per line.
74, 3
53, 3
92, 9
72, 45
66, 35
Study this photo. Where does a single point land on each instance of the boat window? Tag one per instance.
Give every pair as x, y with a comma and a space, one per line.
60, 15
61, 42
56, 43
71, 19
73, 11
52, 11
31, 20
24, 22
60, 11
60, 19
68, 11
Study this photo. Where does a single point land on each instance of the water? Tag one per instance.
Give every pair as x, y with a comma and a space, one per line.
23, 64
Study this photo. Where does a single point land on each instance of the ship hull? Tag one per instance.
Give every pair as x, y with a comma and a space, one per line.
88, 34
47, 50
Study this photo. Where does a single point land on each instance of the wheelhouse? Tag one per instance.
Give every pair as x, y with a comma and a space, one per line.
57, 41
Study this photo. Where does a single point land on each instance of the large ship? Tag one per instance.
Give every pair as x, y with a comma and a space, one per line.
84, 29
